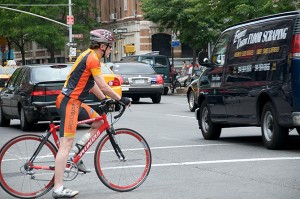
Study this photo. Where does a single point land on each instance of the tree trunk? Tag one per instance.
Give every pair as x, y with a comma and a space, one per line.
52, 58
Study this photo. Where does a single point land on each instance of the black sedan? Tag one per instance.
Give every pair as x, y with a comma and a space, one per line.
34, 83
139, 80
193, 88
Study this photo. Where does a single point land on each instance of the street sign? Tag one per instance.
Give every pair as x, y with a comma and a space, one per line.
70, 19
175, 43
72, 52
71, 44
77, 36
120, 30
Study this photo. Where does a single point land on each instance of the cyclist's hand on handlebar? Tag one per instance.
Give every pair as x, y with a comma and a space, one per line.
126, 101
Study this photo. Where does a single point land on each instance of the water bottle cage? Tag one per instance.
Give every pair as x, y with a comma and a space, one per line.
79, 147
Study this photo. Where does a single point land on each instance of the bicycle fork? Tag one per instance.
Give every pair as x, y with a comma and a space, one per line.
119, 153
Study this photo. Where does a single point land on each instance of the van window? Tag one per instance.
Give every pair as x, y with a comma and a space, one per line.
219, 52
160, 62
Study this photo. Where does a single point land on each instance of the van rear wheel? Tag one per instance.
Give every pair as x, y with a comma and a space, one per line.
209, 129
274, 135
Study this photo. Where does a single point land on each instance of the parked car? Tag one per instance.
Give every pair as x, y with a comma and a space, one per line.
160, 64
193, 90
3, 77
41, 83
253, 79
139, 80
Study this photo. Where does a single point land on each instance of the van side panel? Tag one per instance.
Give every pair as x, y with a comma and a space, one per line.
258, 66
295, 68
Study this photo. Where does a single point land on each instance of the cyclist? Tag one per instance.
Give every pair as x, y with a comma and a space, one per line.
84, 76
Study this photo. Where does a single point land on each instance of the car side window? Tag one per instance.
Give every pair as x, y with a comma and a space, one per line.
219, 52
20, 77
13, 78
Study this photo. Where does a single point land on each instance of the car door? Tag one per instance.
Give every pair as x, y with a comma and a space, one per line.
17, 92
7, 93
216, 96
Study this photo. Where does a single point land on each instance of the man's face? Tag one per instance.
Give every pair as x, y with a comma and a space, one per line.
108, 48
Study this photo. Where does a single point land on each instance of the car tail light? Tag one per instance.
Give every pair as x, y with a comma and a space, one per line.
120, 79
159, 79
295, 49
115, 82
41, 92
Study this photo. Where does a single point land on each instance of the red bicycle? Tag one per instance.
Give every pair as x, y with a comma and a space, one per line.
122, 157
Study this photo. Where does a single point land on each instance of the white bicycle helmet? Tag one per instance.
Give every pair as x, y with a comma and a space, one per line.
102, 36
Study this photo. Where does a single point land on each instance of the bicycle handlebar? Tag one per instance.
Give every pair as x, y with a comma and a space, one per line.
104, 106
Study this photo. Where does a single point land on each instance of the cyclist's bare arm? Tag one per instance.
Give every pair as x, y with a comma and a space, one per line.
97, 92
105, 88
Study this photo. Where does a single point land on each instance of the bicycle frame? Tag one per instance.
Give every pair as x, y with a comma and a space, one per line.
53, 131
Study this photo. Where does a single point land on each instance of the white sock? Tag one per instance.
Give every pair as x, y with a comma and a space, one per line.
59, 189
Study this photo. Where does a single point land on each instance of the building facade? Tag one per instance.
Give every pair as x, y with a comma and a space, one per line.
133, 34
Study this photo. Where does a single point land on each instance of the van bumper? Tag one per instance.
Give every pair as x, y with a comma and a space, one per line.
296, 118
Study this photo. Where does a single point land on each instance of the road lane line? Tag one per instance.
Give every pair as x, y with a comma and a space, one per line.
225, 161
180, 116
187, 146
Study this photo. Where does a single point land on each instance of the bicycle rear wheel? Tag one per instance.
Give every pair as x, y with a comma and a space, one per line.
123, 175
16, 178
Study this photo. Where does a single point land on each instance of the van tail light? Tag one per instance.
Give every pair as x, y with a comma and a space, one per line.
159, 79
115, 82
295, 49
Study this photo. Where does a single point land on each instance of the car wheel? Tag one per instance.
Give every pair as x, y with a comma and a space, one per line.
166, 90
156, 99
177, 84
210, 130
191, 101
274, 135
25, 125
135, 99
3, 120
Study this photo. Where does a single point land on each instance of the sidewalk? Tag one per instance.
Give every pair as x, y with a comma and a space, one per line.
180, 91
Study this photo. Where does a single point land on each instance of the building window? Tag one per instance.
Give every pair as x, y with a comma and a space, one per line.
125, 5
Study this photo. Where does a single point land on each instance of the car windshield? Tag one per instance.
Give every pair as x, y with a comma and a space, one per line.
133, 69
53, 73
10, 70
105, 69
2, 71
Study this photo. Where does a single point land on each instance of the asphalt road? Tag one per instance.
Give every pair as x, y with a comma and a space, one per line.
187, 166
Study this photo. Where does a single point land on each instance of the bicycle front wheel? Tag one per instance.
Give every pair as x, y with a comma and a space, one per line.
17, 177
116, 173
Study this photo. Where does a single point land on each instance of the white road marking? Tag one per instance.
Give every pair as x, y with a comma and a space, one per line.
180, 116
225, 161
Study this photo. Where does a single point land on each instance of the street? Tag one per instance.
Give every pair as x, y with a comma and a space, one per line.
184, 165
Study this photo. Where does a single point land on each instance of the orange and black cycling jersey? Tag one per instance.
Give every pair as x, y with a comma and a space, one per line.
81, 77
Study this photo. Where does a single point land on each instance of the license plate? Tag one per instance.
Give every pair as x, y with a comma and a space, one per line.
125, 89
139, 81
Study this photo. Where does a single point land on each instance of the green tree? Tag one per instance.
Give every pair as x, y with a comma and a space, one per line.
20, 27
201, 21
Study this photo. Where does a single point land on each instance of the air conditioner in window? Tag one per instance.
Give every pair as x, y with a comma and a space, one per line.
113, 16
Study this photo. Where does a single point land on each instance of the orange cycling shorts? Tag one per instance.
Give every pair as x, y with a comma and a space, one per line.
70, 111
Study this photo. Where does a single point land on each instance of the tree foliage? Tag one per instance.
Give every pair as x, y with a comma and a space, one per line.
20, 27
201, 21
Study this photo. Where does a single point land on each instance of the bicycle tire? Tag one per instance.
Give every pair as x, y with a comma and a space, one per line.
14, 178
118, 175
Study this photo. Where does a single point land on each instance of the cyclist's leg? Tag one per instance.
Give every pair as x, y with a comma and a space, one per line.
86, 112
69, 111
